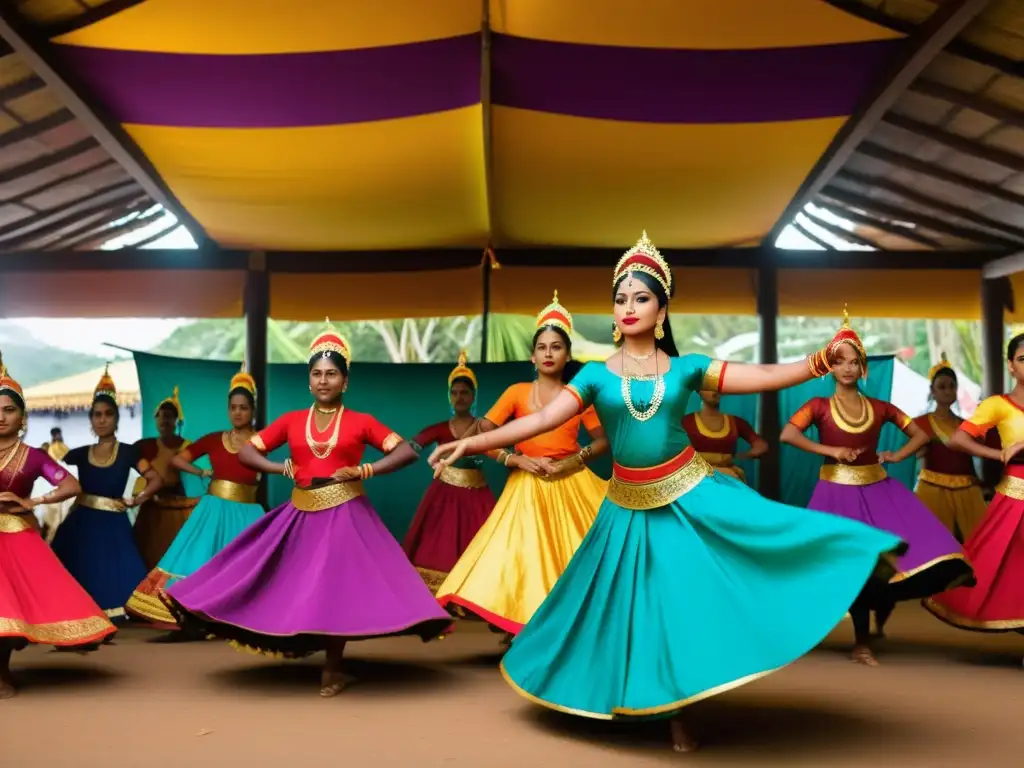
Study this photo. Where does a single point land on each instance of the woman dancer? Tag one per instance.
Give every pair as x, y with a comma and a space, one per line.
549, 502
458, 502
321, 569
95, 542
689, 583
714, 436
947, 483
228, 508
995, 548
39, 601
162, 516
853, 484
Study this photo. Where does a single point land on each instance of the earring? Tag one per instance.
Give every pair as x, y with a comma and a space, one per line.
659, 331
616, 334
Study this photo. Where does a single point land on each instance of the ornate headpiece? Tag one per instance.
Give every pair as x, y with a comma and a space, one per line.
7, 383
330, 341
106, 385
644, 257
174, 401
243, 380
942, 365
462, 371
847, 335
555, 314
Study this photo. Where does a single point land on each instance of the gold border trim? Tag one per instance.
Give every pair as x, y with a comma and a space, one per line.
1011, 487
391, 442
71, 632
14, 523
712, 381
101, 503
659, 493
707, 431
904, 575
232, 491
847, 474
325, 497
962, 622
943, 480
463, 478
149, 607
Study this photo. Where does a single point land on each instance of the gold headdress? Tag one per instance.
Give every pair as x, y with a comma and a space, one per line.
106, 386
942, 365
330, 341
555, 314
9, 384
644, 257
462, 371
175, 402
243, 380
847, 335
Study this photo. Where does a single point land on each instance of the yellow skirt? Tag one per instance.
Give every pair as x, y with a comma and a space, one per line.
518, 554
959, 509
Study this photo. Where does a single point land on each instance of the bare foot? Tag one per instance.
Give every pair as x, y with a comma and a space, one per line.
333, 683
682, 739
863, 655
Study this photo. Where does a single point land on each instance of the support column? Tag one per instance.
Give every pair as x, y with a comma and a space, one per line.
256, 304
996, 297
486, 309
771, 427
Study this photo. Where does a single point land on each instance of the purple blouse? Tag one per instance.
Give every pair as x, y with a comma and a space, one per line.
25, 467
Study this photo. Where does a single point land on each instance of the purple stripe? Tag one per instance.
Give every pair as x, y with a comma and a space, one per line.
655, 85
281, 90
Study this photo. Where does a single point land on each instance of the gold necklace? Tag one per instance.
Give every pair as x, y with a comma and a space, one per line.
9, 454
857, 421
641, 358
105, 462
535, 403
325, 411
332, 442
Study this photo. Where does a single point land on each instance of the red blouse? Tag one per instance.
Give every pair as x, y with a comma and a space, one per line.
226, 465
724, 441
834, 431
357, 430
439, 433
939, 458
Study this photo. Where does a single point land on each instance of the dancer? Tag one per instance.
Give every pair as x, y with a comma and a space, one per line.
321, 569
549, 502
714, 436
228, 508
95, 542
947, 483
689, 583
458, 502
995, 548
853, 484
162, 516
39, 601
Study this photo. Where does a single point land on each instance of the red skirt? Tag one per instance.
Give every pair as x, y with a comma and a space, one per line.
40, 602
996, 550
447, 519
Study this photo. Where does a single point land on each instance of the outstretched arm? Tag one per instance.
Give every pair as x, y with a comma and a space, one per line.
749, 378
402, 455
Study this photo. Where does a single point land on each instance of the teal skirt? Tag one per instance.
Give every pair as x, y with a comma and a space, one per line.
663, 608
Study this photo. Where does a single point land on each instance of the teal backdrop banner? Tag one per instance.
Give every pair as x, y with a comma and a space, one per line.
800, 469
405, 397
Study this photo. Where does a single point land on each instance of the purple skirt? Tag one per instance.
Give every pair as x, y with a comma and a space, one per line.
292, 580
934, 560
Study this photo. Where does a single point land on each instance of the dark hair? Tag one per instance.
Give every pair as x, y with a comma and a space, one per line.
949, 372
465, 380
336, 360
56, 431
1011, 348
666, 344
571, 366
170, 407
249, 398
111, 402
19, 401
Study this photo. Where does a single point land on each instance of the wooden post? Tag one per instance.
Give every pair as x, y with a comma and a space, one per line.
256, 304
486, 309
996, 295
771, 426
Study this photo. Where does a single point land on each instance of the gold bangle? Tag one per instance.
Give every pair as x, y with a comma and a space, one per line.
366, 471
508, 457
586, 453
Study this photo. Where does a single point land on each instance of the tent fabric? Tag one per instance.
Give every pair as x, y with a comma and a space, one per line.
340, 125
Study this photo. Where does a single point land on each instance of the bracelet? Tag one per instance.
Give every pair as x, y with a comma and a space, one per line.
508, 456
586, 453
365, 471
817, 364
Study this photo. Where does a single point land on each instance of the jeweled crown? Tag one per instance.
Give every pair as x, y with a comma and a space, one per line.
330, 341
644, 257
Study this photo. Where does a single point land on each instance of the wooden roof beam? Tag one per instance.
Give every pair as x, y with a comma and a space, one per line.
836, 231
806, 232
37, 52
994, 155
924, 44
972, 101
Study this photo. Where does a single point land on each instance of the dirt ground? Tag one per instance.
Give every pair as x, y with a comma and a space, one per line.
942, 698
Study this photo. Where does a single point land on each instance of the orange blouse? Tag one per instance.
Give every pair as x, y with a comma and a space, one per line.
559, 443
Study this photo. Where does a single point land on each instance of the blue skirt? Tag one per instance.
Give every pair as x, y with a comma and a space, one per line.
97, 548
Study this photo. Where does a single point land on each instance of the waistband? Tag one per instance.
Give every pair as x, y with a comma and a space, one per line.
847, 474
943, 480
1011, 487
325, 497
16, 522
717, 459
232, 491
658, 486
463, 478
101, 503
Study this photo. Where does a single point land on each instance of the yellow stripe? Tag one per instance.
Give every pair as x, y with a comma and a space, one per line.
332, 187
688, 184
268, 26
722, 24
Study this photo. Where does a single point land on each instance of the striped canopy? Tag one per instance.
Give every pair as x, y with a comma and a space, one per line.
347, 124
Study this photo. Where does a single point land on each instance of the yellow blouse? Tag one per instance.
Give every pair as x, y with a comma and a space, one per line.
1001, 412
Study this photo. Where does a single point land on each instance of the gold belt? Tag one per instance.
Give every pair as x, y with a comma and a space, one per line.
11, 522
1011, 487
100, 502
326, 496
661, 491
846, 474
463, 478
717, 459
942, 480
232, 491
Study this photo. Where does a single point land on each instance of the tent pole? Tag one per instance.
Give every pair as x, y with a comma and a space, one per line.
771, 427
256, 305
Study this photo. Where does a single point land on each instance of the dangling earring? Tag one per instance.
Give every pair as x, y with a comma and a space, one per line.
659, 331
616, 334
